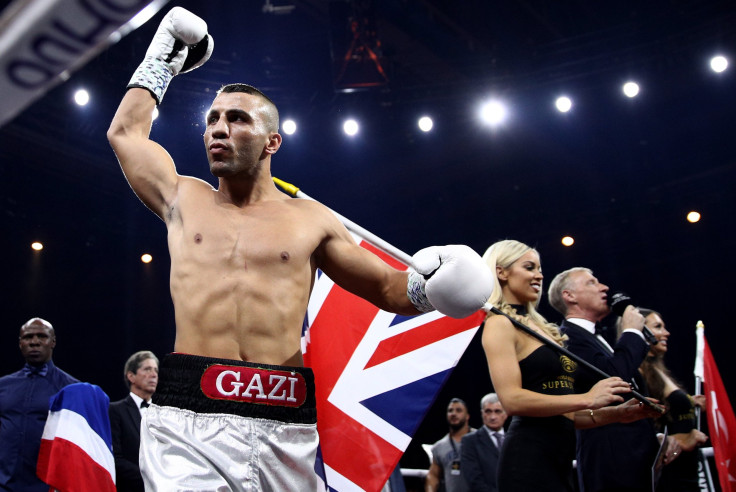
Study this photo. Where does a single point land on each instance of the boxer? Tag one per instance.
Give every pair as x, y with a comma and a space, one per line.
234, 406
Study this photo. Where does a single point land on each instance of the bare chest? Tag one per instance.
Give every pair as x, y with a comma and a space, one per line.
261, 237
526, 343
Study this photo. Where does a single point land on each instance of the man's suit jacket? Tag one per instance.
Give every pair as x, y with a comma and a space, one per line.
479, 461
615, 456
125, 424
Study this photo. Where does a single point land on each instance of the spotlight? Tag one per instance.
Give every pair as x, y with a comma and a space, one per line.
718, 63
37, 246
146, 258
567, 241
350, 127
563, 104
493, 113
81, 97
425, 123
154, 114
631, 89
289, 127
693, 217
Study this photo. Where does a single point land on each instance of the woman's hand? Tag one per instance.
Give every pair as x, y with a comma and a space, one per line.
607, 391
700, 401
634, 410
691, 440
673, 450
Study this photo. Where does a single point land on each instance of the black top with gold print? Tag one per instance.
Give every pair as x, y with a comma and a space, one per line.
547, 371
681, 413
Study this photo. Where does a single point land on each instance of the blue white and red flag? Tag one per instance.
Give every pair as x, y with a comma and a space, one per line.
376, 376
76, 446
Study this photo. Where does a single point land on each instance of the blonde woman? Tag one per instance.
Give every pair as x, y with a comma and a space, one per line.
535, 383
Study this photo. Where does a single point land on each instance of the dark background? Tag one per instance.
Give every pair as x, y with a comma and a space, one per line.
617, 174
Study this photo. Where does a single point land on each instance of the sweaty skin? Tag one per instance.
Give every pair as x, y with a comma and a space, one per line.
244, 255
253, 307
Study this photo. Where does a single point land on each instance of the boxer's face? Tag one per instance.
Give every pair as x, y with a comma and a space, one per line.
237, 136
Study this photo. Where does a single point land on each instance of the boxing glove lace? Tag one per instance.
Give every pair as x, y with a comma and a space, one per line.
452, 279
180, 45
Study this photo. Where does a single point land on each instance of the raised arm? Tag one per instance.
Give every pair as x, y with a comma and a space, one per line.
629, 352
180, 44
147, 166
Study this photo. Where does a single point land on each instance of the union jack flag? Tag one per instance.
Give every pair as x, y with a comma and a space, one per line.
376, 376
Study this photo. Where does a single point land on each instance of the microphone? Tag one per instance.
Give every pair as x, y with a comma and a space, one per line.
618, 303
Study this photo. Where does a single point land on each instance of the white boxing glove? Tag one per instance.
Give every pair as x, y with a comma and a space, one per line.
180, 45
453, 279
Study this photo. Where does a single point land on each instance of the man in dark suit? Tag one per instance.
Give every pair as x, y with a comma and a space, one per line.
481, 449
141, 376
614, 457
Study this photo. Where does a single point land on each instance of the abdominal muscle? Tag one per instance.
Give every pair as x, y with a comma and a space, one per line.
236, 298
251, 321
241, 276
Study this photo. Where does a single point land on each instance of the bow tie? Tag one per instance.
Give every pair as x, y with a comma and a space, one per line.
144, 404
29, 370
599, 329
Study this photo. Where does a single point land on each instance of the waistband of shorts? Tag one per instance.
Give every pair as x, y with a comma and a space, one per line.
187, 382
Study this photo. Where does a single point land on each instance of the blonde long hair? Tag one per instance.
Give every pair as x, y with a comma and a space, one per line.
504, 254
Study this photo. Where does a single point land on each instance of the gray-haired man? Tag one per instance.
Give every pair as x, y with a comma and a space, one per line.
141, 377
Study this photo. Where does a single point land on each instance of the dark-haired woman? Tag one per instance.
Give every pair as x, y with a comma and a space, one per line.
682, 474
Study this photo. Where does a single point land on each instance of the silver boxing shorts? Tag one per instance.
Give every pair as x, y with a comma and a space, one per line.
224, 425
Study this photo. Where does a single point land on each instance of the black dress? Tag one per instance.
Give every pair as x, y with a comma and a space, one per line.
537, 453
682, 474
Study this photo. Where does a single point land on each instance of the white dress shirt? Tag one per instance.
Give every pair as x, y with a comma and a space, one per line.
138, 400
492, 433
